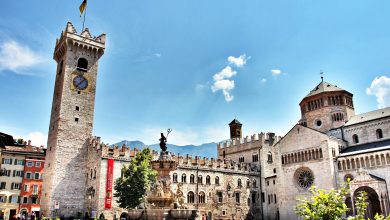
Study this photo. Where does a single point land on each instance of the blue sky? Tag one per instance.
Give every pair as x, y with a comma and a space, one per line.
195, 65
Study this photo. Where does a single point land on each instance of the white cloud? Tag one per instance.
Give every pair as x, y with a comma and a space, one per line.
238, 61
263, 80
380, 87
226, 73
16, 57
276, 72
37, 139
222, 82
158, 54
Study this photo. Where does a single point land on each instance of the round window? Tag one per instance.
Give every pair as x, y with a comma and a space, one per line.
348, 177
304, 178
318, 123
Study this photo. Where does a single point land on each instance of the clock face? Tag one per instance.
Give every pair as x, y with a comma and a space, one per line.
80, 82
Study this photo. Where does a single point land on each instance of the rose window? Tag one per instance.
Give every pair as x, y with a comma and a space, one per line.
305, 179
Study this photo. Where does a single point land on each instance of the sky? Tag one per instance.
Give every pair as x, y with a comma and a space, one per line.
195, 65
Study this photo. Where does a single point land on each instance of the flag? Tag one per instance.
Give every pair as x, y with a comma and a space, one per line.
82, 7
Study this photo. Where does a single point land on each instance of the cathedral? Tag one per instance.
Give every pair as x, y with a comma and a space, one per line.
254, 177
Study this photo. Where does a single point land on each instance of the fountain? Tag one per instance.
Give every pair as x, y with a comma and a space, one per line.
161, 202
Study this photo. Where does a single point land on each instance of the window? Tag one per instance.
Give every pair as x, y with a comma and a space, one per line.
200, 179
18, 173
192, 178
35, 190
3, 185
29, 164
304, 177
239, 183
36, 176
273, 182
190, 197
19, 162
76, 119
3, 199
77, 108
25, 200
14, 199
183, 178
241, 159
237, 197
208, 182
269, 157
15, 186
6, 161
267, 183
255, 158
34, 200
220, 196
248, 184
202, 197
26, 187
175, 177
216, 180
379, 133
28, 175
275, 198
38, 164
274, 170
82, 64
355, 139
254, 184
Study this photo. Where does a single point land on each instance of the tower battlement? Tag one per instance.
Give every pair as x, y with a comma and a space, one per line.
70, 39
107, 151
260, 138
212, 163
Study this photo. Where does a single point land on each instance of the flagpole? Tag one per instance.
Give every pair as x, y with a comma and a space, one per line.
85, 12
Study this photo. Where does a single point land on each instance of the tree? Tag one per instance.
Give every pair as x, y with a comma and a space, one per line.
137, 178
323, 205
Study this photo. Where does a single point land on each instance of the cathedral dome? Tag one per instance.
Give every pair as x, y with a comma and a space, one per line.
326, 107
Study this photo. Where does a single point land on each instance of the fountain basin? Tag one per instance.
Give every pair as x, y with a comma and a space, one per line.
181, 213
135, 214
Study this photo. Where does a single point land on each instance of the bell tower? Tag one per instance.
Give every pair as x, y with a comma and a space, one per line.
71, 121
235, 129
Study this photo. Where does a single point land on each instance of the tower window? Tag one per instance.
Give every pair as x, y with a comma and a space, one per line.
76, 119
60, 67
379, 134
82, 64
77, 108
78, 92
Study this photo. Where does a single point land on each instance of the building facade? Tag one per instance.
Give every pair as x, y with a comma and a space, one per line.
15, 175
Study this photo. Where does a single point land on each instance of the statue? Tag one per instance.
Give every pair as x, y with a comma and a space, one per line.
179, 197
163, 140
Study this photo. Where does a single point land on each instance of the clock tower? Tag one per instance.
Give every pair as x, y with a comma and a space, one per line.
71, 122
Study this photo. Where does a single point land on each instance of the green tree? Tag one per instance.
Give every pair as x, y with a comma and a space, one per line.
135, 181
323, 205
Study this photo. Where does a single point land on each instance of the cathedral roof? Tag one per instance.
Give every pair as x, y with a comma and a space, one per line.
323, 87
368, 116
235, 121
365, 148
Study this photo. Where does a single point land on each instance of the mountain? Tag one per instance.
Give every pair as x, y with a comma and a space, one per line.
204, 150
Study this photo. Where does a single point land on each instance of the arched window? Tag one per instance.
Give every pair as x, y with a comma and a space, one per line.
175, 177
216, 180
379, 133
239, 183
254, 184
82, 64
183, 178
269, 156
192, 178
248, 184
355, 139
202, 197
200, 179
190, 197
208, 182
94, 174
